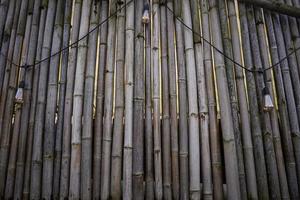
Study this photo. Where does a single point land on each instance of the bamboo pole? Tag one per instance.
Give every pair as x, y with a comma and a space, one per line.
228, 50
99, 101
231, 165
108, 103
149, 171
117, 144
128, 126
260, 166
283, 112
86, 152
202, 103
138, 106
33, 103
194, 159
37, 151
291, 106
16, 137
273, 178
68, 105
61, 100
275, 6
51, 102
4, 5
119, 110
156, 101
24, 126
173, 101
245, 118
7, 51
183, 106
217, 174
268, 76
5, 38
10, 95
76, 139
166, 133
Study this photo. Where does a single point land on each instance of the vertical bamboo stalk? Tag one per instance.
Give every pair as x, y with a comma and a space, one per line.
10, 95
86, 152
61, 100
24, 126
149, 175
77, 121
231, 165
16, 136
128, 126
173, 100
245, 119
33, 103
7, 50
202, 103
37, 151
273, 114
228, 50
3, 14
138, 106
217, 173
260, 166
156, 101
51, 101
99, 101
117, 145
293, 67
166, 134
183, 106
266, 125
194, 151
68, 105
283, 112
6, 39
291, 106
108, 102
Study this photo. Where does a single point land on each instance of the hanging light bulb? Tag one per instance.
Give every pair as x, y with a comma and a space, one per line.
146, 16
267, 100
19, 93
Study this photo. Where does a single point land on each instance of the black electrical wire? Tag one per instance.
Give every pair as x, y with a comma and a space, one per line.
177, 18
227, 57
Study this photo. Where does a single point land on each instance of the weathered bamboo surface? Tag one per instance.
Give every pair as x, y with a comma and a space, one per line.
141, 99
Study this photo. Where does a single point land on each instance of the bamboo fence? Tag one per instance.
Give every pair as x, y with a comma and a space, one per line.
152, 99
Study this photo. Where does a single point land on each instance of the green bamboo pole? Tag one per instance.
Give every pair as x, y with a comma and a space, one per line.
4, 4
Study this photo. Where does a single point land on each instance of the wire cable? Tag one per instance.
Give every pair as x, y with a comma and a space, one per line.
72, 44
227, 57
